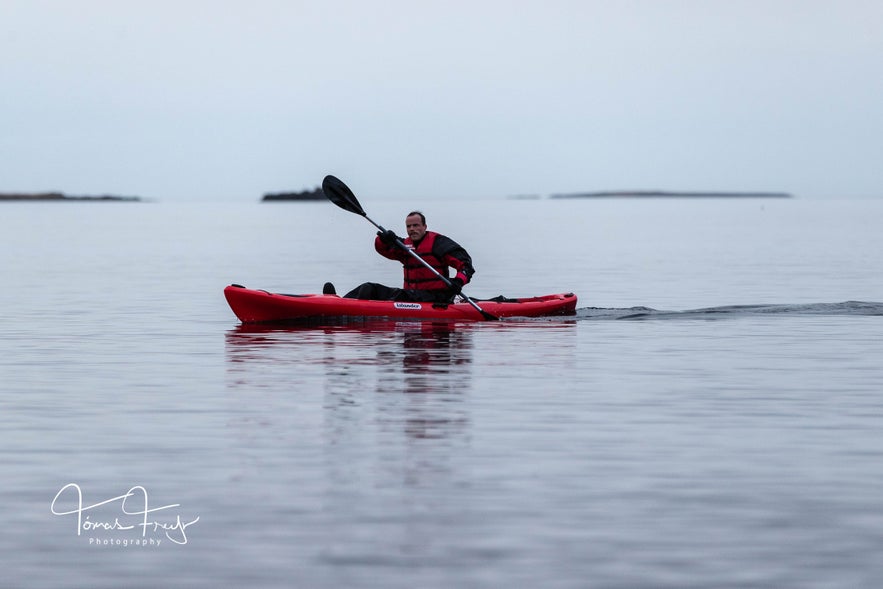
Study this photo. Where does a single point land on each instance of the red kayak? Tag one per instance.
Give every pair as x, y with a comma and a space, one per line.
260, 306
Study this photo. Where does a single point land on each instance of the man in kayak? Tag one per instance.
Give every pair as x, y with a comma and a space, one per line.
420, 284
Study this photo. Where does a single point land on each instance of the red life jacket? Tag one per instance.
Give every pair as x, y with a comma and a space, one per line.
418, 276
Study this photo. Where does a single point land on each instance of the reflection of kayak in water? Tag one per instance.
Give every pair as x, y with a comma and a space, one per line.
259, 306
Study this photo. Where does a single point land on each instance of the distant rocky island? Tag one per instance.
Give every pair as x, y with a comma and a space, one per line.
315, 194
60, 196
669, 194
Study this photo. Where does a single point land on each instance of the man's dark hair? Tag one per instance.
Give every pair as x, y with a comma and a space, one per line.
422, 217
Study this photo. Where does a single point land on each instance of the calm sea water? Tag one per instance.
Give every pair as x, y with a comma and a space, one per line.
712, 417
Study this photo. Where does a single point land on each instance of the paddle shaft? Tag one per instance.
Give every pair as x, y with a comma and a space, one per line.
445, 279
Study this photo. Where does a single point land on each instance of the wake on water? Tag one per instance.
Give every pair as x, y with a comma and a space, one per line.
734, 311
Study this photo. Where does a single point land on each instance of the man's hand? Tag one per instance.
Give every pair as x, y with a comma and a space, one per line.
388, 237
456, 285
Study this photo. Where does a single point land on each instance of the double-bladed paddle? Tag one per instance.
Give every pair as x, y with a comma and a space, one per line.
341, 195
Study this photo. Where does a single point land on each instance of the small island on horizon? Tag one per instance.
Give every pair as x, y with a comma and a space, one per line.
315, 194
61, 197
671, 194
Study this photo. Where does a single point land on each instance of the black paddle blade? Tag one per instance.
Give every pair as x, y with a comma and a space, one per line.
341, 195
488, 317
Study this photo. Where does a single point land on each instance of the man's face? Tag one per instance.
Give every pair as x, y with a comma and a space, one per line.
415, 227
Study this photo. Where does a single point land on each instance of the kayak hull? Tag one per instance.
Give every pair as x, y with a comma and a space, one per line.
260, 306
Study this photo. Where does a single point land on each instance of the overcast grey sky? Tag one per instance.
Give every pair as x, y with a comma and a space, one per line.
230, 99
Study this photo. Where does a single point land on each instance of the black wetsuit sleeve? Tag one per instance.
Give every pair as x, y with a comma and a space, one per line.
454, 255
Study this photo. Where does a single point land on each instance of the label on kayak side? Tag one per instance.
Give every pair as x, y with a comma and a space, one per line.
408, 306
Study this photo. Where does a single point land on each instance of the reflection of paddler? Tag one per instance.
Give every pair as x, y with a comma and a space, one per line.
434, 348
435, 367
